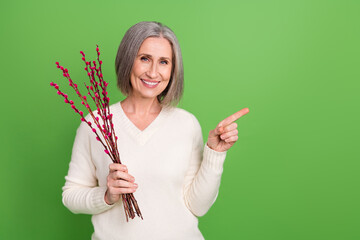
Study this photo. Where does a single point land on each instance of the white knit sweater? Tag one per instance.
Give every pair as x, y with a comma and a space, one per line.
178, 178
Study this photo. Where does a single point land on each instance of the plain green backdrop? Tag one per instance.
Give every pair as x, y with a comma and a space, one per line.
293, 174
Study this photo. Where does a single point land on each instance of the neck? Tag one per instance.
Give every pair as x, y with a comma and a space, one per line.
141, 106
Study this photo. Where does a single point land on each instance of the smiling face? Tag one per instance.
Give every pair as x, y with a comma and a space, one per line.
152, 67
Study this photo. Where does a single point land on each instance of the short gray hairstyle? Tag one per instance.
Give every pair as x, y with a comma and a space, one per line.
128, 51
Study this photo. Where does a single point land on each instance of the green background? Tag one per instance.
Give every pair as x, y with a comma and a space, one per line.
294, 173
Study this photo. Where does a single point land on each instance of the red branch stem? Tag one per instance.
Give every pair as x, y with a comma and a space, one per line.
97, 91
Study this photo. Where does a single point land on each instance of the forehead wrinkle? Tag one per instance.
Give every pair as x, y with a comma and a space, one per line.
149, 55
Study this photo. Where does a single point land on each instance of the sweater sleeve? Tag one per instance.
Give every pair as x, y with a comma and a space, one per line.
81, 193
202, 180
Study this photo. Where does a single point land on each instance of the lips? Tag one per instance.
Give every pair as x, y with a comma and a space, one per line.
150, 84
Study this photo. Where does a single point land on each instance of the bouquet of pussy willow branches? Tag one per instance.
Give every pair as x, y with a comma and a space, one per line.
98, 94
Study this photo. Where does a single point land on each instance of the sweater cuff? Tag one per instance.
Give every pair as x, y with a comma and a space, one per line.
98, 201
213, 160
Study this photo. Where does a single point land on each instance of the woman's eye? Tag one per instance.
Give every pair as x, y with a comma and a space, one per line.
144, 59
164, 62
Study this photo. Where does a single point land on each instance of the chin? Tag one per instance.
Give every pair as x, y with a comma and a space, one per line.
150, 95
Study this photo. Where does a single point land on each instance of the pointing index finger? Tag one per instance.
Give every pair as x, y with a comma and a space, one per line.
234, 117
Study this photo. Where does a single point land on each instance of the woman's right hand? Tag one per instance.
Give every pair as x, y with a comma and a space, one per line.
118, 182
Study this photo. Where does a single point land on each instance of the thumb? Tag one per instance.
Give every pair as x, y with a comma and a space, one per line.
218, 130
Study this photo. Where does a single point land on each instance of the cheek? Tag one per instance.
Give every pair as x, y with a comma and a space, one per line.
132, 77
167, 74
137, 69
136, 72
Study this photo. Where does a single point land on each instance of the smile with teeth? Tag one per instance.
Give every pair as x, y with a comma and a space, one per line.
150, 83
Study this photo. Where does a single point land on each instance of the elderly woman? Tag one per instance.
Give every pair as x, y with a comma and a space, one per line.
174, 176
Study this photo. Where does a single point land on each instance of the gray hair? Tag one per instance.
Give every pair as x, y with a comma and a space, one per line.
128, 51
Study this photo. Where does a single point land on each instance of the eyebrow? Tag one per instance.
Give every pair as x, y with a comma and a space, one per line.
148, 55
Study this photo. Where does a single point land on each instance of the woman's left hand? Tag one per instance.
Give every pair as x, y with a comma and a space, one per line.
223, 137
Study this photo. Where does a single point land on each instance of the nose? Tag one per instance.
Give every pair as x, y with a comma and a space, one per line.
152, 72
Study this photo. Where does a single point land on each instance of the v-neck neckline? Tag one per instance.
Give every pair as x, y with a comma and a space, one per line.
142, 136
